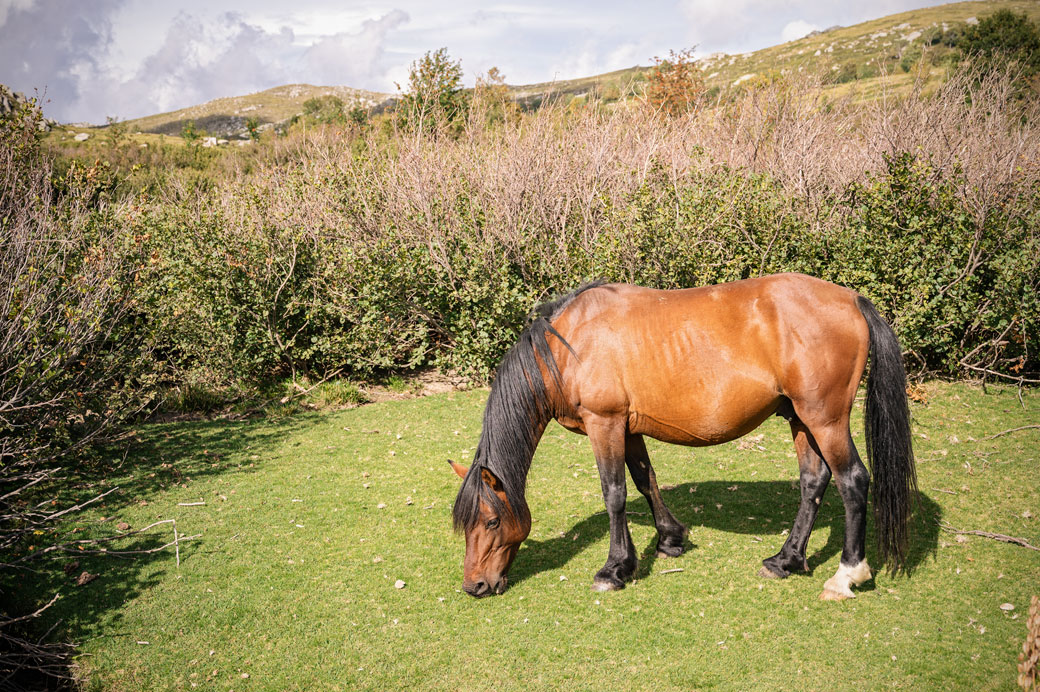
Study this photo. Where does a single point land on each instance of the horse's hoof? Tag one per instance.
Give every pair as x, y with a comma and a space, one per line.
670, 550
767, 573
603, 585
828, 595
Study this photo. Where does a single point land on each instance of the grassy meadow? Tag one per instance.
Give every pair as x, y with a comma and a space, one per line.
310, 520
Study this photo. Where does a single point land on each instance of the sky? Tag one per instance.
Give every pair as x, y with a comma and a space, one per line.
91, 59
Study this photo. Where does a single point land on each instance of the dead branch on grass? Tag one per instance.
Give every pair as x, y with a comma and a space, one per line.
986, 534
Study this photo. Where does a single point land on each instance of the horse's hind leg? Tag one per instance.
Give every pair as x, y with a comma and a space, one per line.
814, 476
670, 531
853, 480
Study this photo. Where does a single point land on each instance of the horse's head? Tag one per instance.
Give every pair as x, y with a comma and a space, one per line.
492, 540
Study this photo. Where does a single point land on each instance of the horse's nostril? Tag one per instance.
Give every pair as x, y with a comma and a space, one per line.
478, 588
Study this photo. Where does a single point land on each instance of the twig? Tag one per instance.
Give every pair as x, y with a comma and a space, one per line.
1005, 432
190, 504
986, 534
49, 517
68, 546
1000, 374
30, 616
940, 490
669, 571
121, 553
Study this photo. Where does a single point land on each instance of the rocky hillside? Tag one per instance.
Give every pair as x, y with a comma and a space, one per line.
855, 57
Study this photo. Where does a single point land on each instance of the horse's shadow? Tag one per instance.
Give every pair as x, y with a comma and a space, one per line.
757, 508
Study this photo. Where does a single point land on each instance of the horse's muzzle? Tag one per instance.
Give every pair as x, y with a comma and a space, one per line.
482, 588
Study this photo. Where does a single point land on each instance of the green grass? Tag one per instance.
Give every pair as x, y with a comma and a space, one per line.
292, 580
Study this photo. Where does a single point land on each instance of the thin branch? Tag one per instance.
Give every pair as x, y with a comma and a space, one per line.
1000, 374
986, 534
1005, 432
30, 616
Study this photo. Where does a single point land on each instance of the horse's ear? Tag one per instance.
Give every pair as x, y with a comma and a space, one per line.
491, 479
458, 468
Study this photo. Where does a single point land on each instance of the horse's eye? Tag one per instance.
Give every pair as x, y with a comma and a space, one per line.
493, 524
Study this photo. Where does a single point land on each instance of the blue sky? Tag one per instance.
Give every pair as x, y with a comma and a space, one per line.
126, 58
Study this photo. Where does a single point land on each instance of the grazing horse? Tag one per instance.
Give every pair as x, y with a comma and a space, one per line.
696, 367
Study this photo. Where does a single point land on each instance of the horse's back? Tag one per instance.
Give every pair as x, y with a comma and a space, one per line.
705, 365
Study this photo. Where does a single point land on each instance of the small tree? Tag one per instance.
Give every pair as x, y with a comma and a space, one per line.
674, 84
253, 128
491, 98
189, 133
435, 96
115, 131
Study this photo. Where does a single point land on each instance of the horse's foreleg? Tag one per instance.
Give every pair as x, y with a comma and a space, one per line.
814, 476
670, 531
608, 444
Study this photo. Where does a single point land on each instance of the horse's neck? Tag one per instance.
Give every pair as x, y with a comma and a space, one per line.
506, 447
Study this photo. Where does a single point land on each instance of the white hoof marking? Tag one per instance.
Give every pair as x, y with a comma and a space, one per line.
846, 577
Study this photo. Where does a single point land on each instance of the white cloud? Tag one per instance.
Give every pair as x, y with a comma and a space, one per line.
352, 58
797, 29
197, 60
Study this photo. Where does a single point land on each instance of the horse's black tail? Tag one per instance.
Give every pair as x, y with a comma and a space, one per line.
889, 443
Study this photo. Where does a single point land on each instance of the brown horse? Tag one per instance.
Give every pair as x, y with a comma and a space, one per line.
696, 367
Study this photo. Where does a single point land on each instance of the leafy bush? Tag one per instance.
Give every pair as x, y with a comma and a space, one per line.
1003, 36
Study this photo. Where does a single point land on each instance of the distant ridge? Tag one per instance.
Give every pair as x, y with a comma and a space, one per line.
855, 51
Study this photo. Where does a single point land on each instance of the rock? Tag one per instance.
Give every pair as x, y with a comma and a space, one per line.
81, 137
399, 584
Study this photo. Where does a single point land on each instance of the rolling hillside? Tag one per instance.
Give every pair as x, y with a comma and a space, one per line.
227, 116
849, 59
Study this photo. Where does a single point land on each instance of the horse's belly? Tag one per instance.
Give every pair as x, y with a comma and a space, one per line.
699, 426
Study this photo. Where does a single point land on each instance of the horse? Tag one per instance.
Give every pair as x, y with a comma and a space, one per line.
696, 367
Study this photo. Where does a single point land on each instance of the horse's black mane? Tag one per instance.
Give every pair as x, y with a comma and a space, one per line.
517, 410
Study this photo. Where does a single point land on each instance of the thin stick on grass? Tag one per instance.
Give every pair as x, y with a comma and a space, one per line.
1007, 432
986, 534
